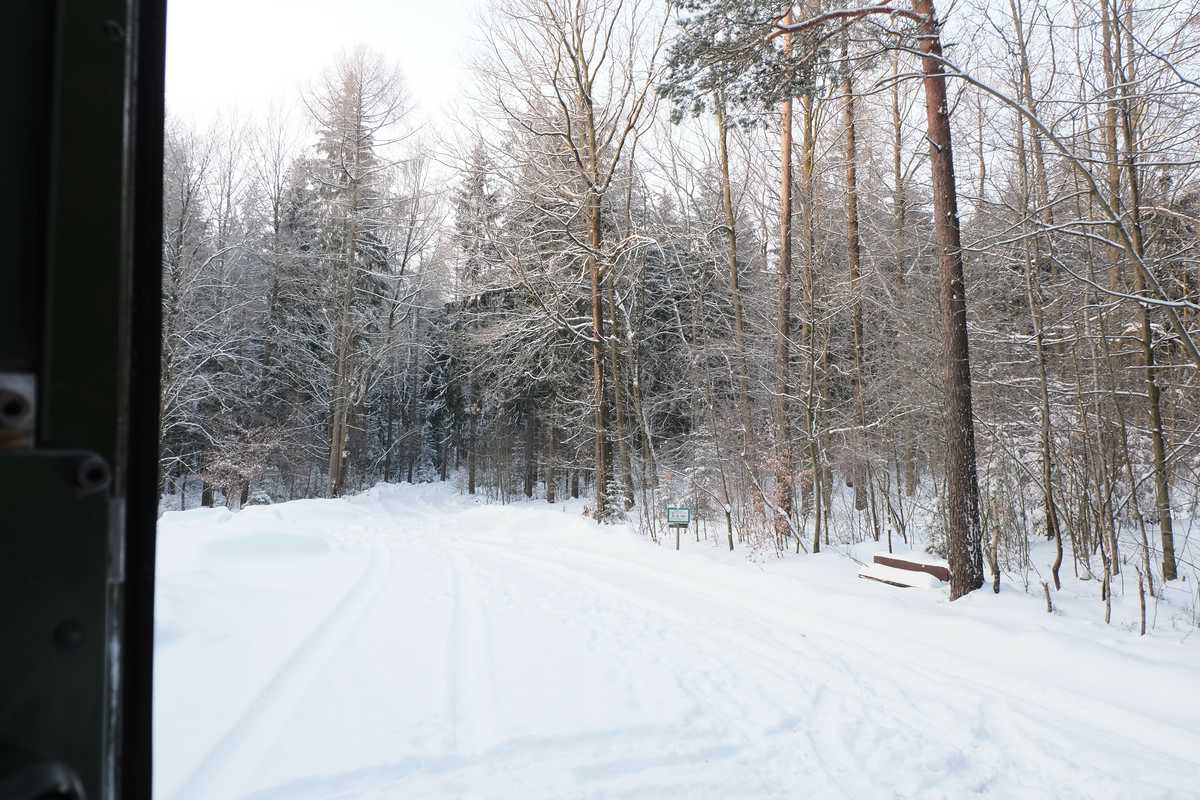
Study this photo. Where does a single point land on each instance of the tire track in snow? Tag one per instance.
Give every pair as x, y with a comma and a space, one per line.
733, 642
422, 525
774, 654
728, 655
770, 667
469, 679
712, 712
239, 750
454, 668
771, 684
472, 660
781, 661
920, 704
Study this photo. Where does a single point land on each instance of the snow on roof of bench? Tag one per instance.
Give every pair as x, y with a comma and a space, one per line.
899, 577
916, 558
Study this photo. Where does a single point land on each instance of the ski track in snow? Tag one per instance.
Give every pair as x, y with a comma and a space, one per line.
521, 652
237, 752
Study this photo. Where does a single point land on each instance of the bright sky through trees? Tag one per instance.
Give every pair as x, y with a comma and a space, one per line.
218, 59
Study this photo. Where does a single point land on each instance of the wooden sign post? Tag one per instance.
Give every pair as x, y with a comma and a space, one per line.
678, 518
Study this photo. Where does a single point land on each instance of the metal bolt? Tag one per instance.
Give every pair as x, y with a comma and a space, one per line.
14, 409
92, 474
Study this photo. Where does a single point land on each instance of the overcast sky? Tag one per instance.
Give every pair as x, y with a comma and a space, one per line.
225, 55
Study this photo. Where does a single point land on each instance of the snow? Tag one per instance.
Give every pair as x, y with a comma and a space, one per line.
904, 577
410, 642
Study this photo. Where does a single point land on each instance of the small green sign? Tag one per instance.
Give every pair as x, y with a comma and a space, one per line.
678, 517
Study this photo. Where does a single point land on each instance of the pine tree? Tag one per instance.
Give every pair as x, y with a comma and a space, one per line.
477, 217
360, 103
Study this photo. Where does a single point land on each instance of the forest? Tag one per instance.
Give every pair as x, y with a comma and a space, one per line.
821, 273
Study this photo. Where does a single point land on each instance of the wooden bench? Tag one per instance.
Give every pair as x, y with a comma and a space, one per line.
911, 570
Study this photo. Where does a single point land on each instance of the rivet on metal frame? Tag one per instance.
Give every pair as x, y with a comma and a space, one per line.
18, 407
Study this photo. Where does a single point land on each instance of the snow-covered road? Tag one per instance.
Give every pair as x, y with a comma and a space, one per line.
409, 643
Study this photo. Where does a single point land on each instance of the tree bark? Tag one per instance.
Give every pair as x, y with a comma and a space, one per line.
1149, 368
963, 531
551, 474
783, 448
854, 260
1033, 294
472, 441
1042, 196
735, 292
530, 449
598, 394
618, 393
900, 224
596, 272
821, 480
344, 284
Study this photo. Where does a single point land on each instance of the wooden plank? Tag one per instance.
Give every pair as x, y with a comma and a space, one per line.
939, 571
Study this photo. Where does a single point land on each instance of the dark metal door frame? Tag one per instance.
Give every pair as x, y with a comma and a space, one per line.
81, 206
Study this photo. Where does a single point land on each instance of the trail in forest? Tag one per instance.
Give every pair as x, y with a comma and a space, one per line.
452, 649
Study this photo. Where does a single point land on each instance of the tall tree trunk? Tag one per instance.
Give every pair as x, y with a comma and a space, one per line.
1042, 196
1116, 280
337, 436
343, 333
1033, 294
596, 271
783, 446
980, 155
473, 439
900, 225
963, 530
1112, 162
472, 459
649, 468
735, 291
1149, 368
598, 394
618, 393
389, 436
821, 480
530, 448
862, 487
551, 474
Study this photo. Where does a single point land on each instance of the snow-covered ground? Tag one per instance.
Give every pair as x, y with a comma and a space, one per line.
412, 643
